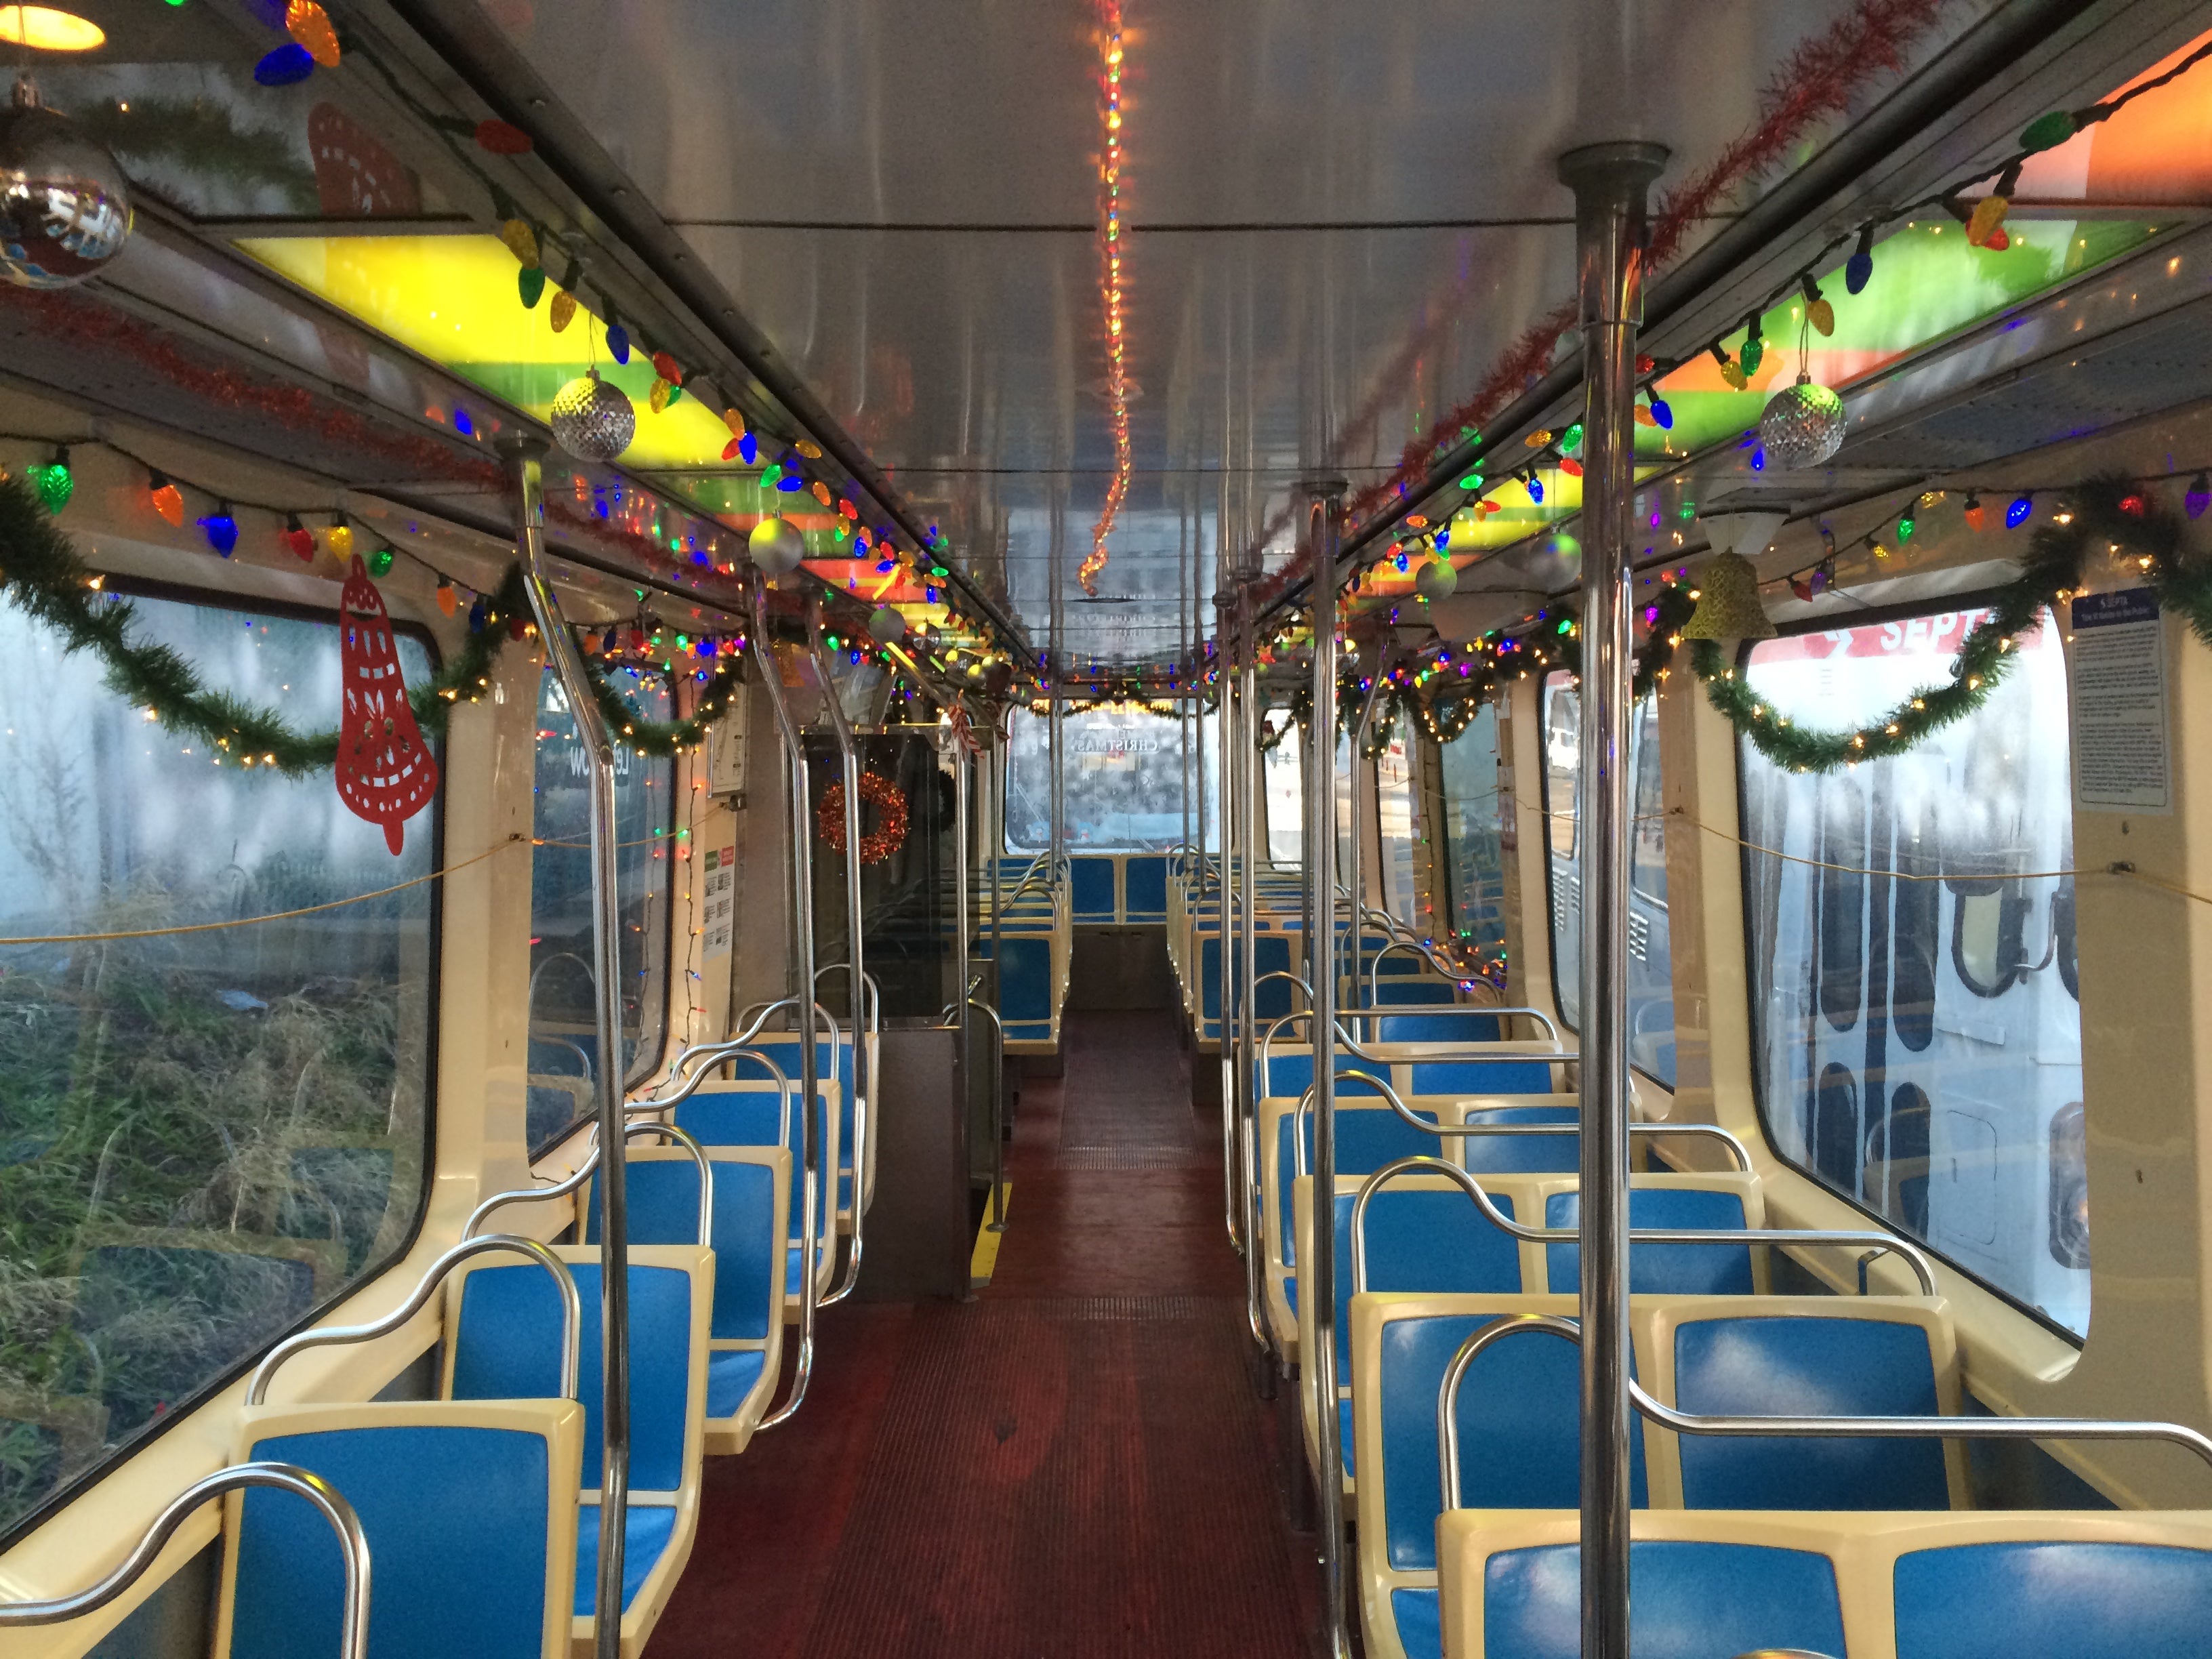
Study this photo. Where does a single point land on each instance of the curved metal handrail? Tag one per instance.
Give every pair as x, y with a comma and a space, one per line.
583, 1170
1378, 1085
715, 1055
572, 1313
1913, 1256
1433, 1054
353, 1547
1821, 1428
1451, 1010
822, 1017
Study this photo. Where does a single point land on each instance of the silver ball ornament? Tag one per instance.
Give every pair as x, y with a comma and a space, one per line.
886, 626
64, 208
1803, 425
1435, 580
593, 420
776, 546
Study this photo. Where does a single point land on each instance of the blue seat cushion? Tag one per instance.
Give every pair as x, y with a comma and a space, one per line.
2072, 1600
1411, 993
1145, 888
731, 1374
1435, 1028
1419, 1619
647, 1528
1691, 1601
1560, 1154
1660, 1269
1091, 888
455, 1519
663, 1199
1419, 1239
1482, 1077
1779, 1366
1365, 1140
508, 1343
1519, 1424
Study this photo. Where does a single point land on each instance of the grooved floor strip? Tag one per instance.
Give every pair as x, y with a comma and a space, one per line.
1073, 1466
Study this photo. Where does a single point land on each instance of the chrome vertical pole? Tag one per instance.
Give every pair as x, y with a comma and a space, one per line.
1248, 966
961, 926
1002, 737
1609, 181
849, 753
800, 831
1224, 912
525, 457
1324, 517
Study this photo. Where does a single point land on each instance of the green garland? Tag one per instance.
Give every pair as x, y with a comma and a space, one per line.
2110, 509
39, 569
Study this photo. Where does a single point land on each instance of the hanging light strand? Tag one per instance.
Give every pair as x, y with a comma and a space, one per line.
1111, 290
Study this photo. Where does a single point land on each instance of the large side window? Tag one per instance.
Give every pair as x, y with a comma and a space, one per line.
1283, 776
1651, 962
1397, 822
1122, 788
206, 1136
563, 1040
1474, 872
1917, 1037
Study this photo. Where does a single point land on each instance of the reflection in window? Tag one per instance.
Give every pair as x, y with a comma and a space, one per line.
1916, 1034
1650, 961
563, 1032
205, 1136
1398, 820
1124, 782
1475, 871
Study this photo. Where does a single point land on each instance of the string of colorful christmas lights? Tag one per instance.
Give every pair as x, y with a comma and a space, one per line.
1111, 289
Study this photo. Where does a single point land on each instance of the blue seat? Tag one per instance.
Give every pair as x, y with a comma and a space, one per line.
1367, 1138
784, 1048
2065, 1599
1437, 1028
1090, 888
470, 1514
1145, 888
1807, 1363
1290, 1071
1660, 1269
745, 1330
1479, 1077
1025, 985
1271, 954
1402, 992
748, 1115
503, 1345
1691, 1601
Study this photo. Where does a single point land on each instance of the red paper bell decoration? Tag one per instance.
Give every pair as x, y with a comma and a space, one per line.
386, 774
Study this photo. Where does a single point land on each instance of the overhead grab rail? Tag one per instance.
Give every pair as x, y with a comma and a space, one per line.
1824, 1428
1873, 1242
572, 1312
1648, 1131
353, 1550
584, 1171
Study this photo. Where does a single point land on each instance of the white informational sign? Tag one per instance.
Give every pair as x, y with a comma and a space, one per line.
719, 913
2117, 679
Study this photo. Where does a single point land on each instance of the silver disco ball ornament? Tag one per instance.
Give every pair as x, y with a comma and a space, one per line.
592, 420
776, 546
1435, 580
1803, 425
886, 626
65, 209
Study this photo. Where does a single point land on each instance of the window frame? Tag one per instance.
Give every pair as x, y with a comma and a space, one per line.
641, 1070
1871, 616
67, 1493
1550, 899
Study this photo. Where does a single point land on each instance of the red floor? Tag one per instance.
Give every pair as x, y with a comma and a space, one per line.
1075, 1464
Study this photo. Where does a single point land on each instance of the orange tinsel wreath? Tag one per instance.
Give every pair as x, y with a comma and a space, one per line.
889, 833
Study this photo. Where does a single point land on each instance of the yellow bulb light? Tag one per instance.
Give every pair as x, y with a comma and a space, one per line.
45, 29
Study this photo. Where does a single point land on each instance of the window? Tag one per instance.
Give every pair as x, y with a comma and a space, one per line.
1283, 781
1474, 872
1651, 962
563, 1032
1397, 821
206, 1138
1915, 1016
1123, 789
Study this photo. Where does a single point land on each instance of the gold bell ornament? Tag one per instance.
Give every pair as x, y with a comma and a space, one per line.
1727, 602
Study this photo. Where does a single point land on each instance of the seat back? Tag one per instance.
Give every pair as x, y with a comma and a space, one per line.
2014, 1584
1560, 1154
1145, 888
1437, 1028
1476, 1077
1511, 1585
661, 1192
1367, 1138
1719, 1203
503, 1343
469, 1512
750, 1114
1808, 1356
1090, 887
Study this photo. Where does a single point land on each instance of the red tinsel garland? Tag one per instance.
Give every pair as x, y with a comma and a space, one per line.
1818, 79
889, 833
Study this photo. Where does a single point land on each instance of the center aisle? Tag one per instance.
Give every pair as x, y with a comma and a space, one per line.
1075, 1464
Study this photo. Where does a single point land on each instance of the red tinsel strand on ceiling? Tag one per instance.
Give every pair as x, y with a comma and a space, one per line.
1818, 79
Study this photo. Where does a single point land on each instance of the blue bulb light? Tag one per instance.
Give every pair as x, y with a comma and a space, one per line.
287, 66
2016, 514
618, 345
222, 531
1535, 489
1662, 414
